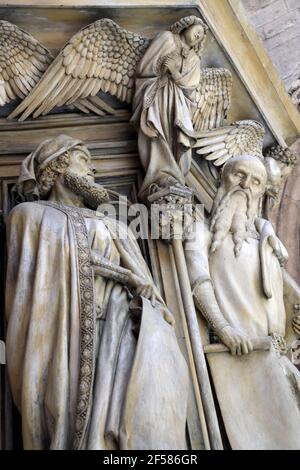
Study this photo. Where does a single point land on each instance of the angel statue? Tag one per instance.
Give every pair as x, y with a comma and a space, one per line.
173, 97
170, 93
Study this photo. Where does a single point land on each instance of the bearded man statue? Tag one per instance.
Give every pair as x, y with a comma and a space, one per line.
91, 345
234, 263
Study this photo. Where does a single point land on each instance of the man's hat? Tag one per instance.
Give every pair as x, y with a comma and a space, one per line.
26, 187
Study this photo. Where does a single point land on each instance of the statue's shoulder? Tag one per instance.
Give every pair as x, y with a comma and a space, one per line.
166, 38
166, 35
26, 210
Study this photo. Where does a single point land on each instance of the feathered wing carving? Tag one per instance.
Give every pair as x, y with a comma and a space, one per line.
102, 56
213, 97
242, 137
23, 60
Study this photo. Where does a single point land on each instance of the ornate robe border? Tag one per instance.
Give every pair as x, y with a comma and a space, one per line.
87, 319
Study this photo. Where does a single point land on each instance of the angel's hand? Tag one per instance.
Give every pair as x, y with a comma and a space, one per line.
173, 64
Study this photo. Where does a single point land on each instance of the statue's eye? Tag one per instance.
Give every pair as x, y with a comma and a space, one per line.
239, 174
256, 182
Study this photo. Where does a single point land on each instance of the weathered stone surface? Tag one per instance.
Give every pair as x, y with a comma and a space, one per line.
277, 22
288, 218
253, 5
238, 287
292, 4
268, 13
276, 27
295, 93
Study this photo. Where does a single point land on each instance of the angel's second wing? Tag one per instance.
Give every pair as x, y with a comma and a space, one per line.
213, 98
23, 61
102, 56
243, 137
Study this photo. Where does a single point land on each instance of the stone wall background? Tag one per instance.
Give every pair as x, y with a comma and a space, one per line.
277, 23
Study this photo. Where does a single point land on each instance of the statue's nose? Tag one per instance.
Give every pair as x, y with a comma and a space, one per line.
245, 183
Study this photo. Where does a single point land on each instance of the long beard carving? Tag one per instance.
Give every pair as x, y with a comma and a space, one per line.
93, 194
233, 214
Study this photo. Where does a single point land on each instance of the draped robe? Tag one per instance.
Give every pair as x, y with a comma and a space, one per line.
162, 110
258, 393
86, 370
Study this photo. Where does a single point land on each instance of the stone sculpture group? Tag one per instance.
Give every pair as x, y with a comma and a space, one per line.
96, 346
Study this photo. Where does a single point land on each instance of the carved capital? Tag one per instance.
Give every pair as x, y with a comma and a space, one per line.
280, 162
171, 212
294, 92
282, 154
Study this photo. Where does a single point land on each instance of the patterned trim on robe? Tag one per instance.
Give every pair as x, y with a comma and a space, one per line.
87, 318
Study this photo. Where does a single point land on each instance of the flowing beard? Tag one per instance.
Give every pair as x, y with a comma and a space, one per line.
93, 194
232, 214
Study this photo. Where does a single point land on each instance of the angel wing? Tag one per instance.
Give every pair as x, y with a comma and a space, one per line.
213, 98
242, 137
23, 61
102, 56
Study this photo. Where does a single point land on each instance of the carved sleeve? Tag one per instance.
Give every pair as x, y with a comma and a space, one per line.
196, 254
206, 302
106, 268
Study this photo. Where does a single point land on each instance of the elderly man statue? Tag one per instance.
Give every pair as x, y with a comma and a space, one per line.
238, 285
91, 346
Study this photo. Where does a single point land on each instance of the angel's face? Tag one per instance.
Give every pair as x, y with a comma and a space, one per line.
194, 35
80, 163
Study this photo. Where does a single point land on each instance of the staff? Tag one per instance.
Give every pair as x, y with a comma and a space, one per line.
172, 203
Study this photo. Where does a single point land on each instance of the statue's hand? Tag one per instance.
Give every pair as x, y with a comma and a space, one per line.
296, 324
143, 288
237, 342
173, 63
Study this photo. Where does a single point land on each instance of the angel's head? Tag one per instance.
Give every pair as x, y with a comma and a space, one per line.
237, 202
192, 30
59, 166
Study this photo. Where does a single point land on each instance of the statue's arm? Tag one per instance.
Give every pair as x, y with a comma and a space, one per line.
165, 56
103, 267
196, 253
139, 286
205, 301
